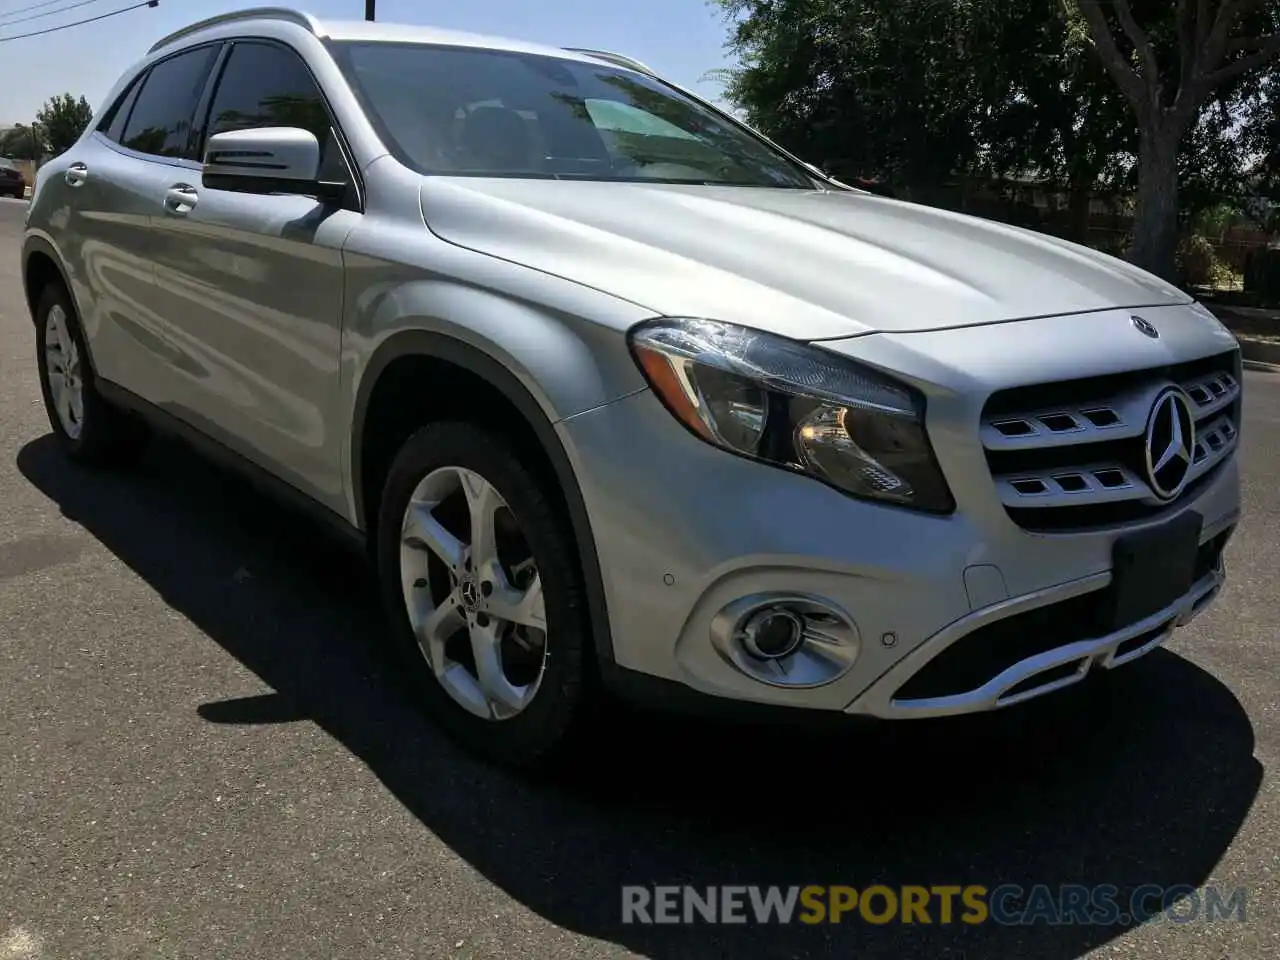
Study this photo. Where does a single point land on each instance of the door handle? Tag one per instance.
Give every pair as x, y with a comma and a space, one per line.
180, 199
76, 175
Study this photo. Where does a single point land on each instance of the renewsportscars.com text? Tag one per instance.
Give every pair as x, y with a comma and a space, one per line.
1008, 904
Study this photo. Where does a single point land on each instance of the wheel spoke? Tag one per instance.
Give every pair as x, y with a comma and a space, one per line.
525, 607
422, 529
54, 361
487, 650
483, 502
77, 405
441, 624
62, 401
60, 331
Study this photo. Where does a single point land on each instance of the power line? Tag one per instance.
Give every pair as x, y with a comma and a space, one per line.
8, 22
77, 23
33, 6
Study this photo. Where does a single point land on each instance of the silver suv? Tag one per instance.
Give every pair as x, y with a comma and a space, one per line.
620, 395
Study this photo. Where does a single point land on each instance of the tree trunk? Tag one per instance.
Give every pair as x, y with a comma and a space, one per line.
1155, 222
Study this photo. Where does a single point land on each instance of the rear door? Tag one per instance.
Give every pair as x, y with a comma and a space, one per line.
112, 180
251, 285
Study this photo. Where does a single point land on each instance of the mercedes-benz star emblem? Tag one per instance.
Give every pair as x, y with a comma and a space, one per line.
1170, 440
470, 595
1143, 326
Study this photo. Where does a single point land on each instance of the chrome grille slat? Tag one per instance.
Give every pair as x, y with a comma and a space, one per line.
1030, 449
1130, 409
1057, 494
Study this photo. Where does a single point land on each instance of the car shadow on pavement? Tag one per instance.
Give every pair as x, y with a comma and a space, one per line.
1144, 778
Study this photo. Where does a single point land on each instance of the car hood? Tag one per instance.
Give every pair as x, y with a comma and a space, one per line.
806, 264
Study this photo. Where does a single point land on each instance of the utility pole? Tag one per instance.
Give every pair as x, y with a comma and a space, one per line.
368, 9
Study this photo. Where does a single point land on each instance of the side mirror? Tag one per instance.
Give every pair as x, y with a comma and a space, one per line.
266, 160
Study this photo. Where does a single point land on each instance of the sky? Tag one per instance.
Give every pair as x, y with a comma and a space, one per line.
680, 39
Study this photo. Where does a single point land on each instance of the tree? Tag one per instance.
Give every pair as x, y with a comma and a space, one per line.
885, 88
1061, 120
64, 118
23, 143
918, 91
1169, 60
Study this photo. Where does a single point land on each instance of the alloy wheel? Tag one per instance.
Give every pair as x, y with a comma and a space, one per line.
473, 593
62, 365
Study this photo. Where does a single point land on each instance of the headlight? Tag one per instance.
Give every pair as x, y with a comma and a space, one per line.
794, 406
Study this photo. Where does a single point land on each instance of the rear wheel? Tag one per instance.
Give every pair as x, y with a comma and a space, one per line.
481, 584
87, 427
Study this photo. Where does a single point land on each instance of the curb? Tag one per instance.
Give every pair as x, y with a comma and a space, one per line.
1259, 352
1261, 367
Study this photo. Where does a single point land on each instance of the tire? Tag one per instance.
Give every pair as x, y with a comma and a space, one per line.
101, 434
542, 731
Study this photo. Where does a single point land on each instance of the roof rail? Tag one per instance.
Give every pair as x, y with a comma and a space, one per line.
253, 13
615, 58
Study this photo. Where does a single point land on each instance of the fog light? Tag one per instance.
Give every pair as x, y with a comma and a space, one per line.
773, 634
786, 639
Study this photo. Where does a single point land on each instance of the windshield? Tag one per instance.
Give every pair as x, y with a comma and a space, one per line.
495, 113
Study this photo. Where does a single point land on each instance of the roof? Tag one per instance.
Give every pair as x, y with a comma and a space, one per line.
379, 32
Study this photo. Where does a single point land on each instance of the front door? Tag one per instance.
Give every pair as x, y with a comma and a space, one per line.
252, 285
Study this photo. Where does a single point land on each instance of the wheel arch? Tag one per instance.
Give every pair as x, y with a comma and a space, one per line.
444, 351
40, 264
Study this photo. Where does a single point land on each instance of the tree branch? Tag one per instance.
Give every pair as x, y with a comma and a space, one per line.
1268, 49
1146, 53
1187, 27
1250, 43
1215, 45
1212, 51
1113, 60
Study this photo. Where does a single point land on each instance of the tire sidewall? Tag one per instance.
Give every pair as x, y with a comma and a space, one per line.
542, 726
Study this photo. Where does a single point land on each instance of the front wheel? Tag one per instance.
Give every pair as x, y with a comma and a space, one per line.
482, 587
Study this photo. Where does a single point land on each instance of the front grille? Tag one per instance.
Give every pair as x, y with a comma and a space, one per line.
1070, 455
990, 650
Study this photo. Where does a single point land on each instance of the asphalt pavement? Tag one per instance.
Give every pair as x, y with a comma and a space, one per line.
205, 752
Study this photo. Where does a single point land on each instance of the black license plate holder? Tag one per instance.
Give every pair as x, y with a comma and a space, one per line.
1153, 568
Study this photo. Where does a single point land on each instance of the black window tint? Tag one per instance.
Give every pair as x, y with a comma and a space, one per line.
113, 121
265, 85
160, 123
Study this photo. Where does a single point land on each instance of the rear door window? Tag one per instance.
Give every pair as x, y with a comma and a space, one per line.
162, 115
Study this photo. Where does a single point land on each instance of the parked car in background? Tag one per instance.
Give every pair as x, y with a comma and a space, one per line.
12, 182
620, 395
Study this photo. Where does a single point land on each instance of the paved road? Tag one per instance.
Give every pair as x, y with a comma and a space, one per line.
204, 753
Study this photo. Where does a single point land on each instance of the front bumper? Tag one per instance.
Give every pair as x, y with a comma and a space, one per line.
684, 532
1064, 662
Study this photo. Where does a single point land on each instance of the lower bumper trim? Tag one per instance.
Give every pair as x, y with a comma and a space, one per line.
1051, 670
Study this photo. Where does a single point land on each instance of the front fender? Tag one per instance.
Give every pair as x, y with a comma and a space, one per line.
538, 410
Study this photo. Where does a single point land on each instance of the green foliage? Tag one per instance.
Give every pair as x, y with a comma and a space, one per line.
1199, 265
23, 143
919, 91
64, 119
